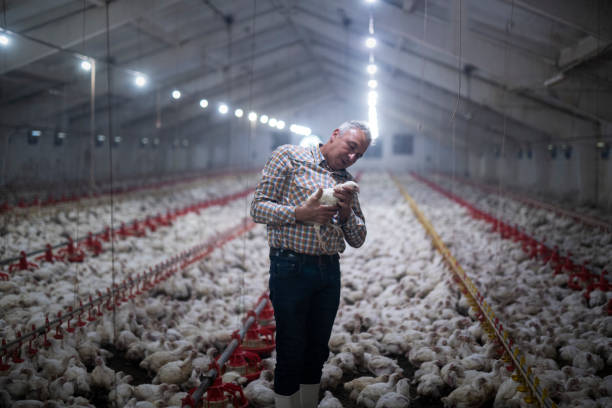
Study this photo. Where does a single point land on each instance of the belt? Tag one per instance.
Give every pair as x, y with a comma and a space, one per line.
306, 258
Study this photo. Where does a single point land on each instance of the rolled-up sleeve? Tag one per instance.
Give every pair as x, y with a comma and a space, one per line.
267, 207
354, 228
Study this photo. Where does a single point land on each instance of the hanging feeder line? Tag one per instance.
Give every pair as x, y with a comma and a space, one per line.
123, 230
580, 277
125, 290
194, 399
529, 383
23, 206
584, 219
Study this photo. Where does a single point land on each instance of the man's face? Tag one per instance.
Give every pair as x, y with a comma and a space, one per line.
346, 148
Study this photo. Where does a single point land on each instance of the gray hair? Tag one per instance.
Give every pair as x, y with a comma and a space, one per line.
356, 124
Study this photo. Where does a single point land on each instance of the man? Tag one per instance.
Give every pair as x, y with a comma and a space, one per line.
304, 280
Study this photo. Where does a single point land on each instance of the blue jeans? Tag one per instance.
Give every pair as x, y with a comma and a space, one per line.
305, 295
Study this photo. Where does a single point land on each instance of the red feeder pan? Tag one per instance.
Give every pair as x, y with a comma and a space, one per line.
23, 263
246, 363
48, 256
259, 340
220, 394
72, 253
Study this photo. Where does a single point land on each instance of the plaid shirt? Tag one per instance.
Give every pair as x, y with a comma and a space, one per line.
291, 175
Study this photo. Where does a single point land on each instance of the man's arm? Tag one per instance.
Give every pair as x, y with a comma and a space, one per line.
266, 207
353, 226
351, 218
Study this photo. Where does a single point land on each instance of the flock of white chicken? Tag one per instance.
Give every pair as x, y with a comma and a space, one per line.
404, 334
31, 229
567, 234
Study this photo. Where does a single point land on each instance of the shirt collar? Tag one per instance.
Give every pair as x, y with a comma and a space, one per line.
320, 160
318, 156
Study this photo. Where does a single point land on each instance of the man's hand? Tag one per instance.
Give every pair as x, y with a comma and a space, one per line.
345, 200
312, 211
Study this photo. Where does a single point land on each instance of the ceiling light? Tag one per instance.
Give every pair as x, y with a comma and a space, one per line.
238, 112
554, 80
372, 83
280, 125
203, 103
372, 68
86, 66
4, 40
370, 42
252, 116
272, 122
59, 138
300, 130
100, 140
176, 94
263, 119
34, 135
223, 109
372, 98
371, 1
140, 80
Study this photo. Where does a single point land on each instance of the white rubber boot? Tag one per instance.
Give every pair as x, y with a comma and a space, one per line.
309, 395
287, 401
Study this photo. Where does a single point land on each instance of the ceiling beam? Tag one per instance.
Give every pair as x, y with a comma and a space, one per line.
583, 51
442, 39
68, 32
433, 96
301, 33
270, 45
156, 31
590, 16
528, 109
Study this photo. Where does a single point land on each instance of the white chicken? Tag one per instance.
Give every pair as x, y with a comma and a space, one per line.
331, 376
259, 392
358, 384
369, 396
156, 360
345, 361
329, 401
121, 394
153, 392
61, 389
102, 376
380, 365
175, 372
327, 198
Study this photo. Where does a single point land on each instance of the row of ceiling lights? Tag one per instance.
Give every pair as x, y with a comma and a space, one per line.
371, 69
140, 80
